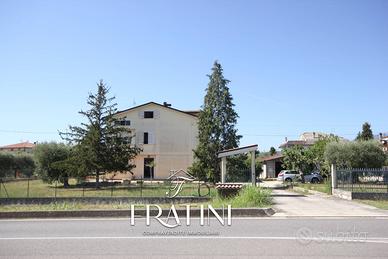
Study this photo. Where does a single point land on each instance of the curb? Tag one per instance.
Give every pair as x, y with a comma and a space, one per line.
106, 200
239, 212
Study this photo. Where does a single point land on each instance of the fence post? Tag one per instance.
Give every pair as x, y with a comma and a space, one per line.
223, 169
28, 187
141, 187
253, 168
333, 178
111, 192
56, 185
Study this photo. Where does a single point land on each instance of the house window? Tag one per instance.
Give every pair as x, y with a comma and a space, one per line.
145, 138
123, 123
148, 115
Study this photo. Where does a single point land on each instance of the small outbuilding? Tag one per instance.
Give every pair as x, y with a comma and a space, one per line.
272, 165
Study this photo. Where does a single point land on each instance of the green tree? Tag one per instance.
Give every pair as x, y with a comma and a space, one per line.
49, 158
356, 154
297, 158
272, 151
11, 163
316, 153
6, 164
24, 163
100, 144
366, 133
216, 126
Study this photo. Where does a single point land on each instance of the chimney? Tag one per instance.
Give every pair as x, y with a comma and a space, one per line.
165, 104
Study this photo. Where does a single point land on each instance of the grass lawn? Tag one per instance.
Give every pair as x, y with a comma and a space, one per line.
381, 204
248, 197
321, 187
37, 188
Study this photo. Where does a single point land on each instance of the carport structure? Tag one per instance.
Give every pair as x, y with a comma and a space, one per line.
236, 151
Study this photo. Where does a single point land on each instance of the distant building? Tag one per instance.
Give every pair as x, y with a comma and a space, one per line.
306, 139
272, 165
19, 147
383, 138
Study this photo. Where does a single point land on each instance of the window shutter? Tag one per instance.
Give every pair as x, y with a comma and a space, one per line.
151, 138
139, 137
141, 114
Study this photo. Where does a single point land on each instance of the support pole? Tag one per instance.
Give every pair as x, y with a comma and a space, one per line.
253, 168
333, 177
223, 169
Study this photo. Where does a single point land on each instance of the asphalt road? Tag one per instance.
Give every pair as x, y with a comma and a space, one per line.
319, 237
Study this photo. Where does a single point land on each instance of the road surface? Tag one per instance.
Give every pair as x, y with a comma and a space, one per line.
274, 237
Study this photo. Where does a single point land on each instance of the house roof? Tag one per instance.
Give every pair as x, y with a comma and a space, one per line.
273, 157
297, 142
19, 145
191, 113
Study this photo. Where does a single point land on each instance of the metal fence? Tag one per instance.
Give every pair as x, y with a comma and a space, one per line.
240, 175
35, 188
363, 180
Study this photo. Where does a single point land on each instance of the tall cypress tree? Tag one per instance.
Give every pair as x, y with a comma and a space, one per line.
366, 133
216, 126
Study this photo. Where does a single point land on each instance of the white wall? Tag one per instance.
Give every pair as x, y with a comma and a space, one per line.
172, 136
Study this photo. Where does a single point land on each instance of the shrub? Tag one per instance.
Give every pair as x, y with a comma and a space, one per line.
249, 196
356, 154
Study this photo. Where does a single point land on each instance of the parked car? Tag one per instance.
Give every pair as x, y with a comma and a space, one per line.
312, 177
290, 176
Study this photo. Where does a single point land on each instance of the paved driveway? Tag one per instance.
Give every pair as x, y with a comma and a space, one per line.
293, 204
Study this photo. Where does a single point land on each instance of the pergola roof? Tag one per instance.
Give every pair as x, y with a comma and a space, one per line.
236, 151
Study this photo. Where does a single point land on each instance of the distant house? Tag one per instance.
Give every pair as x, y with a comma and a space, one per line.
19, 147
383, 138
166, 135
306, 139
272, 165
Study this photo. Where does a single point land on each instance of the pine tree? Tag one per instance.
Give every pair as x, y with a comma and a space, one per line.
100, 145
216, 126
366, 133
272, 151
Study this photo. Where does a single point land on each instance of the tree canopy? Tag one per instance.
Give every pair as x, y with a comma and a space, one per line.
10, 163
216, 126
366, 133
356, 154
50, 159
100, 145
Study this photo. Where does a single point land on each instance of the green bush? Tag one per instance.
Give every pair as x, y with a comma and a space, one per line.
248, 197
356, 154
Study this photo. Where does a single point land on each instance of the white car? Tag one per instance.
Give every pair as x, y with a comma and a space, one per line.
289, 176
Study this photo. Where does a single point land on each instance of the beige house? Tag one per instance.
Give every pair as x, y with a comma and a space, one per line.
166, 135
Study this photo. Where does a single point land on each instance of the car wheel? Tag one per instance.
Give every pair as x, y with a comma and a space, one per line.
314, 180
288, 180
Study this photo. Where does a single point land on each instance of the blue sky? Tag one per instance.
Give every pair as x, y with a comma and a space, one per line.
294, 66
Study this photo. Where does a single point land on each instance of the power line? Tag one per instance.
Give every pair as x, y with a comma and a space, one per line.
28, 132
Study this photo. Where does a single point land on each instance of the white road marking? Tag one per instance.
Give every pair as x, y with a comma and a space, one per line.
233, 218
327, 240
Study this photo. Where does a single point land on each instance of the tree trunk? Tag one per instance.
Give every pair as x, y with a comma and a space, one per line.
65, 181
98, 179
